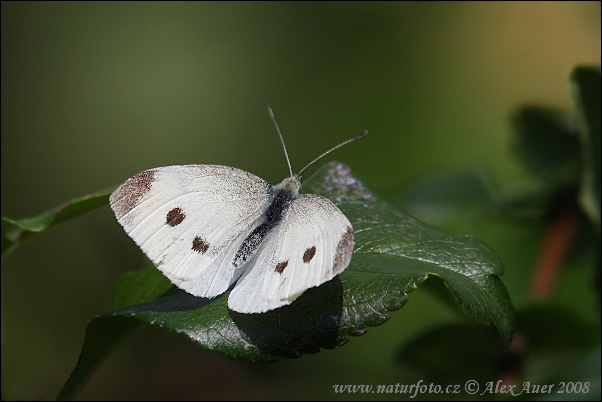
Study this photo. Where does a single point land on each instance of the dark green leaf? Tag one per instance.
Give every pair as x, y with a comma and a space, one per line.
449, 199
395, 245
139, 287
105, 333
554, 330
548, 141
15, 232
394, 253
439, 352
586, 92
459, 200
543, 331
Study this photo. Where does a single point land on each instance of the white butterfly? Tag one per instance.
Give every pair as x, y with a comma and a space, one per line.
208, 227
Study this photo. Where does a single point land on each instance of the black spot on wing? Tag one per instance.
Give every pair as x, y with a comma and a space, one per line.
175, 217
280, 266
200, 245
309, 254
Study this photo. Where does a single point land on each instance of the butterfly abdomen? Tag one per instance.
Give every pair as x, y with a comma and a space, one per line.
273, 216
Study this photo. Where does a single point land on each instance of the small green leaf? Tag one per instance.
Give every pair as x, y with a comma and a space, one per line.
586, 93
548, 141
545, 332
449, 199
105, 333
15, 232
139, 287
551, 329
437, 354
393, 254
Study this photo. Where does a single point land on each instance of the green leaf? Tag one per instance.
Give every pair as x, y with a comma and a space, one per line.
586, 93
543, 331
139, 287
463, 199
393, 254
449, 199
396, 252
15, 232
548, 141
437, 354
551, 329
105, 333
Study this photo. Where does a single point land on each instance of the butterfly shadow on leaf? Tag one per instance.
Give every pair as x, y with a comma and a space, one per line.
311, 322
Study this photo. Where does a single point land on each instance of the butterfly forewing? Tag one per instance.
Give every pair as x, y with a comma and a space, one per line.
190, 220
311, 245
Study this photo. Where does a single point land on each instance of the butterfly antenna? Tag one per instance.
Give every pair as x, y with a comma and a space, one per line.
360, 135
271, 112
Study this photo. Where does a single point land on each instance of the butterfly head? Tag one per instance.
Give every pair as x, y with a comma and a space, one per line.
290, 184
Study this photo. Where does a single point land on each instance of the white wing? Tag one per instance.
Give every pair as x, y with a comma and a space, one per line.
311, 245
191, 219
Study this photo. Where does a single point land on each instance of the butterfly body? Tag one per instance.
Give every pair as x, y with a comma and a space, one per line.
209, 227
283, 194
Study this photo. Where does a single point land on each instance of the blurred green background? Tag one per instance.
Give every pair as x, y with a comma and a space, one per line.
95, 92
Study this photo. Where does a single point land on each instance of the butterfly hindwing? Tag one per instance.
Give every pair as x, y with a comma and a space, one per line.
311, 245
190, 221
